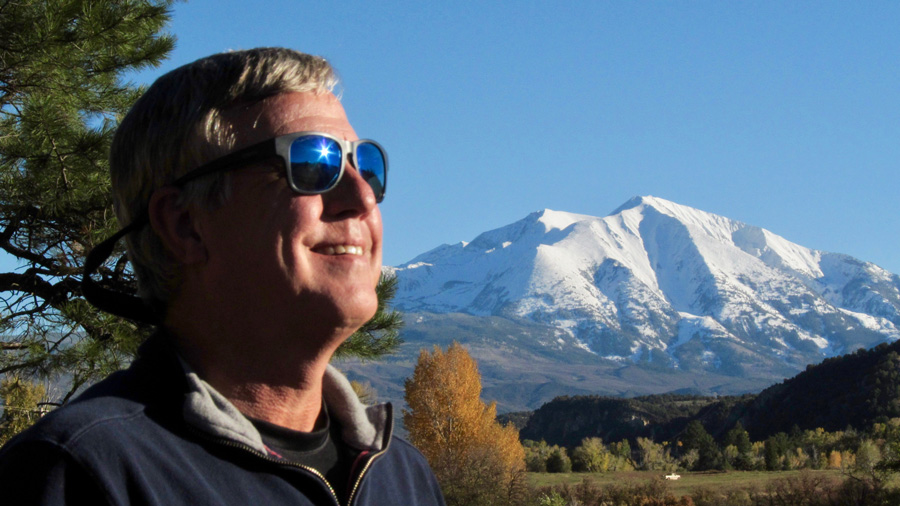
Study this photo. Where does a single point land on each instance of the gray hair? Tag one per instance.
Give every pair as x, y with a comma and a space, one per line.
178, 125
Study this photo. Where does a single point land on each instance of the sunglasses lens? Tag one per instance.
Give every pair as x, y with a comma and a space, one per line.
315, 163
372, 167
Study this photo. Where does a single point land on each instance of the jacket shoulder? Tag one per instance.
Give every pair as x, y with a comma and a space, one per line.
42, 472
401, 470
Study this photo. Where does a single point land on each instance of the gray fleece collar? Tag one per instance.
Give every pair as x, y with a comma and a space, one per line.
363, 427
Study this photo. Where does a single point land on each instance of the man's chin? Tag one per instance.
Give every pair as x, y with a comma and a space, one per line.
355, 317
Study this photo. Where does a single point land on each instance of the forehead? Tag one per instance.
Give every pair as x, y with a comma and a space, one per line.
287, 113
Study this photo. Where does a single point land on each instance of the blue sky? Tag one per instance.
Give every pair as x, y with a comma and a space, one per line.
784, 115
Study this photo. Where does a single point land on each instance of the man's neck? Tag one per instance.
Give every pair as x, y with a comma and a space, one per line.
293, 407
264, 379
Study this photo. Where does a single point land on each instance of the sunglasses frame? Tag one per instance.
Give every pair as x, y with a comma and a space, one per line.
280, 147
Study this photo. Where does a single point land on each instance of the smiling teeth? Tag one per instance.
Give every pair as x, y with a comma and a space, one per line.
343, 250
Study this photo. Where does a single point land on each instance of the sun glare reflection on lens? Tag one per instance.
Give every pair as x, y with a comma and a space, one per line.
324, 151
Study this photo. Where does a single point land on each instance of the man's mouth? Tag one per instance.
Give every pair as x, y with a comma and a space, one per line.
341, 249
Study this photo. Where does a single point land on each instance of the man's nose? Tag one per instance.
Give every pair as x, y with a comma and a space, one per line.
351, 195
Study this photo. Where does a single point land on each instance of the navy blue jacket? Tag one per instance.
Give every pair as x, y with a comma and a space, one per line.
155, 434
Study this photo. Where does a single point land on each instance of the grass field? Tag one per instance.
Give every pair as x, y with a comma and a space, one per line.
689, 481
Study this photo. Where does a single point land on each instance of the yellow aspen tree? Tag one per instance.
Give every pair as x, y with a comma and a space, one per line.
20, 406
510, 458
476, 460
834, 460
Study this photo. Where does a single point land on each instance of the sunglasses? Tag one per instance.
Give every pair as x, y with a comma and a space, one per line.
313, 162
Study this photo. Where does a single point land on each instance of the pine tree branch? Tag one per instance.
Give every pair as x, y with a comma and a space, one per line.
36, 310
61, 159
21, 366
24, 254
27, 282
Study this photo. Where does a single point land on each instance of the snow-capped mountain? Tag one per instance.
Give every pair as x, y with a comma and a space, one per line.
662, 283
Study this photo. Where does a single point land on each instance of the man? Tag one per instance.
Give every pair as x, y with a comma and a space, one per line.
255, 234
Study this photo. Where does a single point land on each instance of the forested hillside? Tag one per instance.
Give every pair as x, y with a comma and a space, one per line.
565, 421
854, 390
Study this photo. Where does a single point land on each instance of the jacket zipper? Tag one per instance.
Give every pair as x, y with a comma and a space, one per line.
362, 473
256, 453
386, 442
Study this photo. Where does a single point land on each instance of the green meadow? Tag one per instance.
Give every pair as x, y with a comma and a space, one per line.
688, 482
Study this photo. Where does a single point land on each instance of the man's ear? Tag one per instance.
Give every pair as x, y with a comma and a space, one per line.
176, 226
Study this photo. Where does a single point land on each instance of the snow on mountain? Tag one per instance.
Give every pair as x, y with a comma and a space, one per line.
658, 281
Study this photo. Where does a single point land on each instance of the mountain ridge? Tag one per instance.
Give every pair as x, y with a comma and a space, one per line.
659, 282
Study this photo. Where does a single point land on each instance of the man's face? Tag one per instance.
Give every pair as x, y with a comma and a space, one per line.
301, 262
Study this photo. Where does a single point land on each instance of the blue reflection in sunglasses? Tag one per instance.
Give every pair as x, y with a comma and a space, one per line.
311, 168
370, 161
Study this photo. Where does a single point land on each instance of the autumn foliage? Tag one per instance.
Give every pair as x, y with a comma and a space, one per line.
21, 406
476, 460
